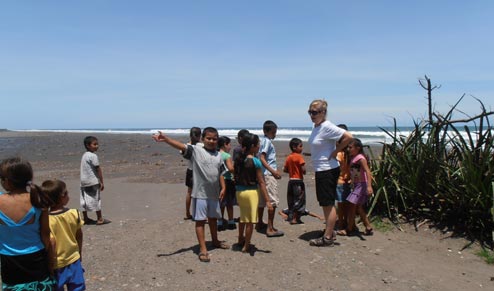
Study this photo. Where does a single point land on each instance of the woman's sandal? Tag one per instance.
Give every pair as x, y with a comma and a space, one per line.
369, 231
204, 257
321, 242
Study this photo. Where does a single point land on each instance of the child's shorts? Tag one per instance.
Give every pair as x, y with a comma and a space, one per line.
72, 276
272, 188
342, 192
202, 209
91, 198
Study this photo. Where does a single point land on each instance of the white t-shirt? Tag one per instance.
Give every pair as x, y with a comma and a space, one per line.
267, 147
89, 169
207, 167
322, 140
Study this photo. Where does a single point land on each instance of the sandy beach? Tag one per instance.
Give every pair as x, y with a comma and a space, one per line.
148, 245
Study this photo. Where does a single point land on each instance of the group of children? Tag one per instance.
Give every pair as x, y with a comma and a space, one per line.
249, 180
40, 238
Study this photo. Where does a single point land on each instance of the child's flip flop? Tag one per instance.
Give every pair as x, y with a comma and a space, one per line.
105, 221
204, 257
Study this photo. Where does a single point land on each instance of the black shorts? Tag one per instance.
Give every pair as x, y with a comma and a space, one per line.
230, 198
188, 178
326, 182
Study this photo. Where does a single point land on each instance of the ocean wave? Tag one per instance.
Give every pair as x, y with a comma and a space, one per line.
368, 135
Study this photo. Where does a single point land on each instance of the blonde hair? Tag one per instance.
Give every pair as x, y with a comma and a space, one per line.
321, 103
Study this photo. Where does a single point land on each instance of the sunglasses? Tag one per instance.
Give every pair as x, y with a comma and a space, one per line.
314, 112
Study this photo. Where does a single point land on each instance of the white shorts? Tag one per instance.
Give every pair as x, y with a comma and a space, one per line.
91, 198
272, 188
202, 209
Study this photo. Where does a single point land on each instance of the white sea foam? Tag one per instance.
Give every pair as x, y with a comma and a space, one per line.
368, 135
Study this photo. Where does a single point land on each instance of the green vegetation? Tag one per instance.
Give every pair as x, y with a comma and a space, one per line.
381, 224
487, 255
436, 173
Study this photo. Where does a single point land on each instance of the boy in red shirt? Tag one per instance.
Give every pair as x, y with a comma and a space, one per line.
295, 167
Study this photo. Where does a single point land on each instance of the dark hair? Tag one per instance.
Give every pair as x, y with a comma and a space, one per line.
209, 129
343, 126
19, 173
244, 171
88, 140
222, 141
55, 189
295, 142
269, 126
195, 132
241, 133
358, 143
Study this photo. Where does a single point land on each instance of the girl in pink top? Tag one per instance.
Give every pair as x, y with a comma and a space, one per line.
361, 177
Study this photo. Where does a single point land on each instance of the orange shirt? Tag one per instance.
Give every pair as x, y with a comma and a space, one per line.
293, 164
344, 168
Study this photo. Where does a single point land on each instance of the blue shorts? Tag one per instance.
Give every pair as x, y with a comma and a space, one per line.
72, 276
202, 209
342, 192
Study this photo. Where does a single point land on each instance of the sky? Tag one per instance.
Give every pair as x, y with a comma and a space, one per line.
167, 64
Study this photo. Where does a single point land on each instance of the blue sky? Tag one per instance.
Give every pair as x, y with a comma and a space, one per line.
159, 64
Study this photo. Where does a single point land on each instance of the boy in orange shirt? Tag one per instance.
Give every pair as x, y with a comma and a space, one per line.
295, 167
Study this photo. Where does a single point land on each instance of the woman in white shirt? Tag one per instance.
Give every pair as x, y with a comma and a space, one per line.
326, 140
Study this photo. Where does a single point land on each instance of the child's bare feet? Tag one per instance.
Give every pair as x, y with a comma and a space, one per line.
241, 241
246, 248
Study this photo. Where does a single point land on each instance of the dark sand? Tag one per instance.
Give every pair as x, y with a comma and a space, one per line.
148, 246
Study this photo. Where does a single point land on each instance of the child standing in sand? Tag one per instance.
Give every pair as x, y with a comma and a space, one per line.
209, 185
91, 182
66, 237
224, 146
250, 185
267, 155
362, 189
295, 167
195, 137
343, 188
25, 250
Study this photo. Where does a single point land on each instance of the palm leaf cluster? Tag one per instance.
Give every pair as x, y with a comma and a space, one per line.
441, 171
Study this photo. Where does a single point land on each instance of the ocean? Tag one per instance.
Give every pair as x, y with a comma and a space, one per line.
368, 135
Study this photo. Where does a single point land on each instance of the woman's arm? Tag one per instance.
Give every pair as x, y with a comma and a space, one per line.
345, 139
